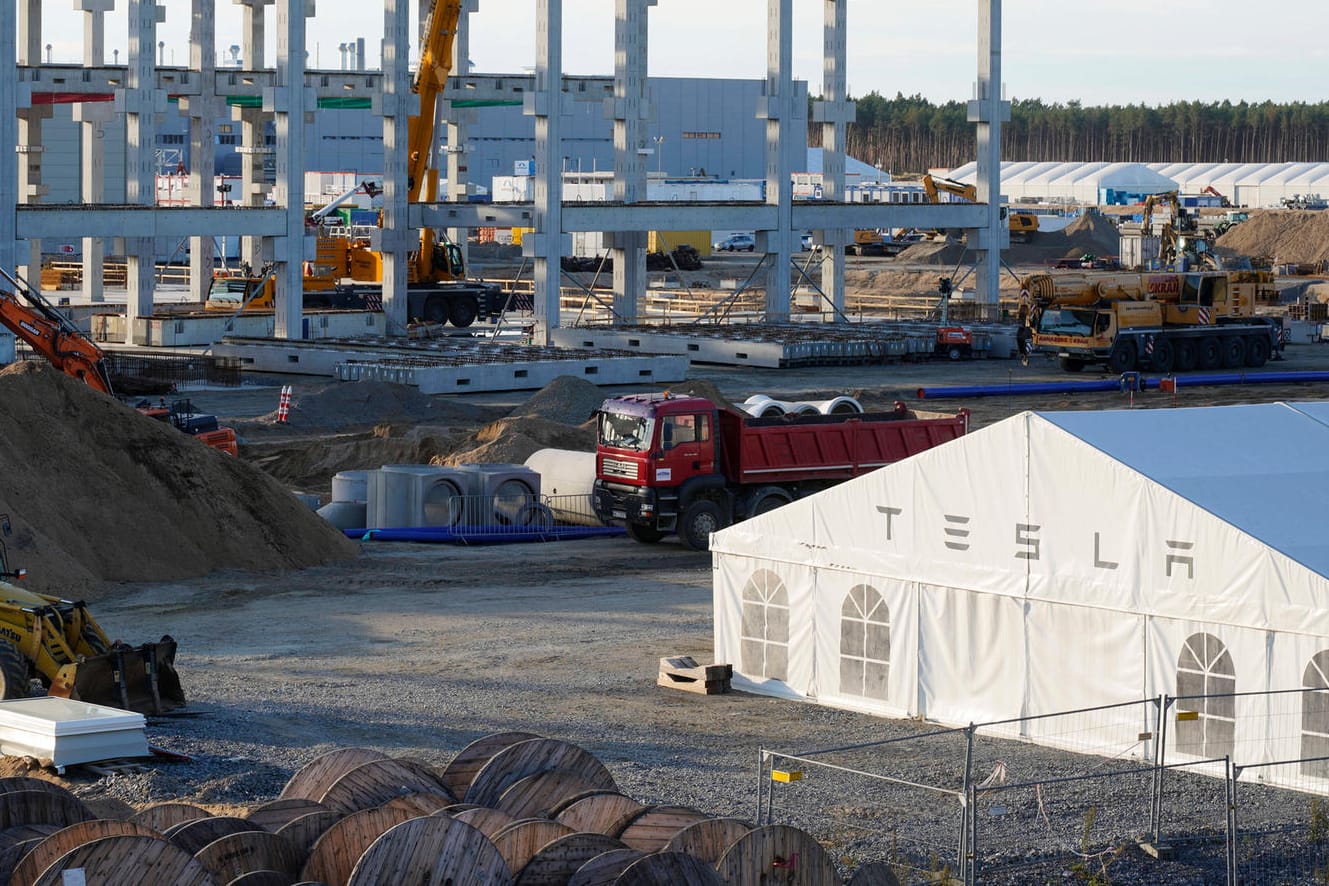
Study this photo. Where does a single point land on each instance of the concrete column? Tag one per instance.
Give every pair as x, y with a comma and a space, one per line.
778, 109
630, 109
202, 110
834, 113
142, 102
92, 118
9, 93
289, 103
546, 105
395, 241
458, 122
987, 110
29, 145
254, 251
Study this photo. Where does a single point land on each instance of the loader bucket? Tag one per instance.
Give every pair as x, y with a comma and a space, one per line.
136, 678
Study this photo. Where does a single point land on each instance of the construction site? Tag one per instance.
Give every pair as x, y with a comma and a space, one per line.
643, 526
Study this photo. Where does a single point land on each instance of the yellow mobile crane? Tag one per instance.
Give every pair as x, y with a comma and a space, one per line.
1023, 225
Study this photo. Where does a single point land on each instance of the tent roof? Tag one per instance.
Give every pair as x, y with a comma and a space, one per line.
852, 167
1259, 468
1118, 176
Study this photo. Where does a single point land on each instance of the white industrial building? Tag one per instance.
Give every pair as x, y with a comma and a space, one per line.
1053, 562
1255, 185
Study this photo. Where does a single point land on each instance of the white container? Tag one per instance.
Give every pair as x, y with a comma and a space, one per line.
68, 732
350, 486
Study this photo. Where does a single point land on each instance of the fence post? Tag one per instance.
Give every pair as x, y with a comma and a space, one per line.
969, 859
968, 821
1160, 758
1232, 772
761, 784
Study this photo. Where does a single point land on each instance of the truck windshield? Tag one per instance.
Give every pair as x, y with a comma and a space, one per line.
626, 431
1065, 321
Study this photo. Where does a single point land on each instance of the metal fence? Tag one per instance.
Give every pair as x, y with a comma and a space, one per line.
141, 374
1165, 789
505, 517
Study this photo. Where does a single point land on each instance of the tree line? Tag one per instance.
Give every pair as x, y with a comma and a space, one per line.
910, 134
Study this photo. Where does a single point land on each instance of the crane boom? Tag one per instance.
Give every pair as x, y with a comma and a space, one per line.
50, 333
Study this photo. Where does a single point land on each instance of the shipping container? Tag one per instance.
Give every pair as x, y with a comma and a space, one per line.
664, 241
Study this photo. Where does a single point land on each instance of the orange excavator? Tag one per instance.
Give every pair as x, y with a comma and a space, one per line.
27, 314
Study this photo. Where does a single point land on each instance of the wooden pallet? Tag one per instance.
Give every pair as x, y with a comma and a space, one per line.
683, 672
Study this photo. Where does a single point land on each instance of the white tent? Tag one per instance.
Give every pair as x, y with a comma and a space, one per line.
1051, 562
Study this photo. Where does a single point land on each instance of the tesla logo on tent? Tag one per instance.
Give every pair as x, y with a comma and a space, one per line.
1180, 559
891, 514
1025, 535
957, 532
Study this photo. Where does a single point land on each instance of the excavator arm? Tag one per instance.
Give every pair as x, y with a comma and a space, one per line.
32, 319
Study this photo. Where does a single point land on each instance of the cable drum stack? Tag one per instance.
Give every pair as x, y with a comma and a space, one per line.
511, 809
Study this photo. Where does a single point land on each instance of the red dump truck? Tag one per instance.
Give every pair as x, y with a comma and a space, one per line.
668, 464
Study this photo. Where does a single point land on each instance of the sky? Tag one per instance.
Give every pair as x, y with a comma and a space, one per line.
1093, 51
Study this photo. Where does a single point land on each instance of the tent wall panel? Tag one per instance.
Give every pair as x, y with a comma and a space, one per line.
867, 643
970, 655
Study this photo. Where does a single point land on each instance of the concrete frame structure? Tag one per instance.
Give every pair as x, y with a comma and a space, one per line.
288, 96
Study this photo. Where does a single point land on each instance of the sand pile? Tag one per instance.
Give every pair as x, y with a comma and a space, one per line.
510, 441
96, 492
1297, 236
567, 399
1090, 233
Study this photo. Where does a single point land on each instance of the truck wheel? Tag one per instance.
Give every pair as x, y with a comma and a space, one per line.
1164, 355
647, 535
463, 312
767, 499
1257, 351
1185, 355
1071, 364
1211, 355
1233, 351
954, 353
695, 526
1123, 357
436, 310
14, 671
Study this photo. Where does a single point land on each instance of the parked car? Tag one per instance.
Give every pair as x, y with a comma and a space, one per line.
737, 243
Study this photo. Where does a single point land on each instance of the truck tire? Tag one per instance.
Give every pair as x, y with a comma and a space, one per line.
1233, 349
463, 312
1258, 350
1123, 357
1210, 353
436, 310
1185, 355
767, 499
697, 522
1071, 364
1164, 355
14, 671
647, 535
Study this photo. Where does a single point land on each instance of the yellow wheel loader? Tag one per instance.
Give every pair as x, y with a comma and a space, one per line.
58, 642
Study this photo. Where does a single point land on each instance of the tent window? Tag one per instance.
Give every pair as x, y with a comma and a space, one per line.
1315, 717
1206, 681
765, 640
865, 643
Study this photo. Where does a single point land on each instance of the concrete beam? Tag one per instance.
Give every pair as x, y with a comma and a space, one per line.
396, 109
834, 113
8, 136
141, 102
782, 116
630, 109
546, 244
70, 223
289, 102
203, 112
987, 110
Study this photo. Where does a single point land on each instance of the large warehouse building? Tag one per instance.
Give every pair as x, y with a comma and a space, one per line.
1054, 562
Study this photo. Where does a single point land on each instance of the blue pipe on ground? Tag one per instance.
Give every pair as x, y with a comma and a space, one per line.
1072, 387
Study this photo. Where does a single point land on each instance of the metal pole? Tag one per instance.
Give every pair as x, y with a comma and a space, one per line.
1160, 756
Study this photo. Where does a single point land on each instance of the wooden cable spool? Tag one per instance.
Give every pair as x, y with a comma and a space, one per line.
24, 832
335, 853
519, 842
376, 782
420, 804
651, 829
12, 854
109, 807
487, 821
433, 849
472, 758
556, 810
128, 859
48, 850
708, 839
191, 836
41, 807
555, 864
160, 817
876, 873
276, 814
303, 832
674, 869
261, 878
755, 854
12, 783
538, 794
603, 869
455, 808
529, 757
312, 780
235, 855
599, 813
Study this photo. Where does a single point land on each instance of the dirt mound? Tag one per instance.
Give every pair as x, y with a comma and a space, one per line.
1090, 233
307, 467
513, 440
364, 404
1297, 236
97, 492
567, 399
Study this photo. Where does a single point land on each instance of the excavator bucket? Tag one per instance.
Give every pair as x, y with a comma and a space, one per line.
136, 678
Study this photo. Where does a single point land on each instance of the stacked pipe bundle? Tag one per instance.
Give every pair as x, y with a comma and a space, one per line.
762, 406
511, 809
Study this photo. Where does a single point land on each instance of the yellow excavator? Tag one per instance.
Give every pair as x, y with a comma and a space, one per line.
1023, 225
59, 642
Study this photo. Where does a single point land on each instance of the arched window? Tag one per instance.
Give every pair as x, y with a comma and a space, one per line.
1205, 673
865, 643
1315, 717
765, 639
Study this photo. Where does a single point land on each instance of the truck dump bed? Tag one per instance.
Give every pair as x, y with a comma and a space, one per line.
791, 448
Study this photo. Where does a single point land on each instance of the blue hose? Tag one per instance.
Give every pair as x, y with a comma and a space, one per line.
1071, 387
